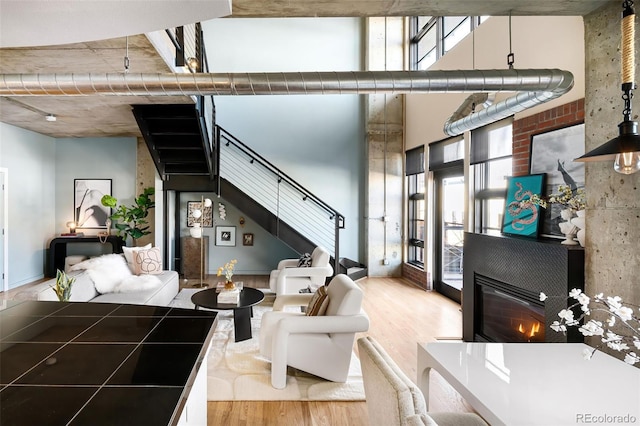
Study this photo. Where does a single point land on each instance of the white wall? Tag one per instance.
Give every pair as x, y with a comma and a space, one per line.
538, 42
29, 158
318, 140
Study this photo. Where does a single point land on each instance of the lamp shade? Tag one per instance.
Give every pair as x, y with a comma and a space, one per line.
196, 213
627, 141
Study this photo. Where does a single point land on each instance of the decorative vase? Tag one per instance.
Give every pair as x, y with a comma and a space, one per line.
580, 223
567, 228
229, 285
195, 231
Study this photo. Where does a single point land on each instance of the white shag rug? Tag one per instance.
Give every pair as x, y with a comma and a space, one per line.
237, 371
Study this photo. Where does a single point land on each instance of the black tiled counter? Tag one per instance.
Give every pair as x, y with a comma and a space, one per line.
98, 363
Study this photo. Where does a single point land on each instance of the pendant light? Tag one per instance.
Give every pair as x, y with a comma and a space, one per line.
625, 148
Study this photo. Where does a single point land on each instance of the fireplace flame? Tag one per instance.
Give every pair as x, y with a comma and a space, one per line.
535, 329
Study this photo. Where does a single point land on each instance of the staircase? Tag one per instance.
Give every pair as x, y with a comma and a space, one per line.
190, 158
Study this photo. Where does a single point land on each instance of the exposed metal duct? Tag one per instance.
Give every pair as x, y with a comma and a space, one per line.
538, 86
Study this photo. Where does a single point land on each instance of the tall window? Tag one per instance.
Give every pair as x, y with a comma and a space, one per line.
491, 148
415, 196
431, 37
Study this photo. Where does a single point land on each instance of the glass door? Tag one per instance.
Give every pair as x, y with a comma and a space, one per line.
449, 231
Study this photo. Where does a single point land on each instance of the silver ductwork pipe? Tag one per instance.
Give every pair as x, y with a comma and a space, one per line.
538, 86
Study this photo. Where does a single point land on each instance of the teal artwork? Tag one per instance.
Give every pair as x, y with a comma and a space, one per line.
520, 217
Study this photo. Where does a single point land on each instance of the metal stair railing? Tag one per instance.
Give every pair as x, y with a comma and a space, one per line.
278, 193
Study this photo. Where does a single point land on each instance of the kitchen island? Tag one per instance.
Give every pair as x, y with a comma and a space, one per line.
102, 364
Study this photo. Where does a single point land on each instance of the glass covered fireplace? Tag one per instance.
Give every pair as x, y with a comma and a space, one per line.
507, 314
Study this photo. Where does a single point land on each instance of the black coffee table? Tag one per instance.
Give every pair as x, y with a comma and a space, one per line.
242, 312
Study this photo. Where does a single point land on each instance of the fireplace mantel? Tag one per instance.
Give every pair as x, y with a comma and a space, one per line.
529, 264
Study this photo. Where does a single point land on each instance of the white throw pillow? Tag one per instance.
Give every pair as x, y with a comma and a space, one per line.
130, 251
147, 261
106, 272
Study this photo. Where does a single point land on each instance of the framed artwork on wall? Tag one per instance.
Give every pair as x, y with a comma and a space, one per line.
552, 153
226, 236
207, 214
247, 239
519, 219
88, 210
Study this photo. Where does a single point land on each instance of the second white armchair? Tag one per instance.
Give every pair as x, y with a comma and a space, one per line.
290, 278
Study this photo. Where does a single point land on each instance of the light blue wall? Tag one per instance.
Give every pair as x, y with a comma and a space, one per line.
29, 158
93, 158
318, 140
258, 259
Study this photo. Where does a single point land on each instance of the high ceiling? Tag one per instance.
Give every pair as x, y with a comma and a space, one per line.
102, 116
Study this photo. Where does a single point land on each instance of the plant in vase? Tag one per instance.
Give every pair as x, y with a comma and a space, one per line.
63, 286
227, 271
572, 202
131, 221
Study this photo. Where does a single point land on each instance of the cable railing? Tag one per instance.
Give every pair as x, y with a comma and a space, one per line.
291, 203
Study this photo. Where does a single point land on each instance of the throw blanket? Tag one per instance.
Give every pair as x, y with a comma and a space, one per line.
111, 274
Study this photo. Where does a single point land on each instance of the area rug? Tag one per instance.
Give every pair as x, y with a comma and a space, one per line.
237, 371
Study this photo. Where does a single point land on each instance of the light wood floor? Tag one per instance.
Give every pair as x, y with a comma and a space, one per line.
401, 315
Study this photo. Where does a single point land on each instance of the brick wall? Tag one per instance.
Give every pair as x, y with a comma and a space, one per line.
415, 274
555, 118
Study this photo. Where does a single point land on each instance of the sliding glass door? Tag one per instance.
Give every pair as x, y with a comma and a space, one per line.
449, 231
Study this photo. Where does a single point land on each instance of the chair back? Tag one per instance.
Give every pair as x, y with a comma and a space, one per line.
320, 256
391, 397
345, 297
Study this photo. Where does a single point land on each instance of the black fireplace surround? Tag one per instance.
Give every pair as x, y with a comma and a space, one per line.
519, 269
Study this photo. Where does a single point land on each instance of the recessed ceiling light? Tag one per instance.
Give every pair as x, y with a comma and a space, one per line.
50, 117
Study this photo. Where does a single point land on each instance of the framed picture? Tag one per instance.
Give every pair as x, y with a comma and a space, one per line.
553, 153
207, 214
247, 239
521, 219
226, 236
88, 210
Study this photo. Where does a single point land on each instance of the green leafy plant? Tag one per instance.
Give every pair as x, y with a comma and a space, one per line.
131, 221
63, 286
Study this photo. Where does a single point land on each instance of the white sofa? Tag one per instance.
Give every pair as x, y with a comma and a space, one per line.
83, 290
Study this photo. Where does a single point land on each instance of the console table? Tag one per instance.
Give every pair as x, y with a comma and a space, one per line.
535, 383
58, 250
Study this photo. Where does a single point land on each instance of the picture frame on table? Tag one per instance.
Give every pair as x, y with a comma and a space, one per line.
552, 153
207, 214
88, 211
226, 236
247, 239
522, 219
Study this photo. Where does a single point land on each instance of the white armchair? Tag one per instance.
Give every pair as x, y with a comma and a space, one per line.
289, 278
320, 345
393, 399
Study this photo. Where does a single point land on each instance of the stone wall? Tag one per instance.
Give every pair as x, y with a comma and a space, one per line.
613, 212
613, 215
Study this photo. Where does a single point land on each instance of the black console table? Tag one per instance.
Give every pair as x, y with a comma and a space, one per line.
58, 249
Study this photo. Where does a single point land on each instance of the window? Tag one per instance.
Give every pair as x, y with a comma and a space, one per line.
431, 37
416, 206
491, 160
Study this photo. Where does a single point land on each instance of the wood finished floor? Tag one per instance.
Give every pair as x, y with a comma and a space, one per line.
401, 315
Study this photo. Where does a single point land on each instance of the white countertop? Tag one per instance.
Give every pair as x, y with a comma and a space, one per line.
547, 384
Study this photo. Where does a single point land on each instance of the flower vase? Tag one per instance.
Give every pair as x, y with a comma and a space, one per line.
229, 285
567, 228
580, 223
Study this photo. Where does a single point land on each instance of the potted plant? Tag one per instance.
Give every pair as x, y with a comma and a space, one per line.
131, 221
63, 286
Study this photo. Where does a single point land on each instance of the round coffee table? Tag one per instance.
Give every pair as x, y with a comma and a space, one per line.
242, 312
